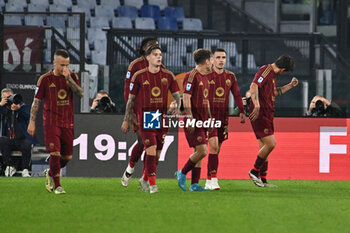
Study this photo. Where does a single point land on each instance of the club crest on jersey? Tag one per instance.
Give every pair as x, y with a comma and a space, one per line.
188, 86
260, 80
128, 75
131, 86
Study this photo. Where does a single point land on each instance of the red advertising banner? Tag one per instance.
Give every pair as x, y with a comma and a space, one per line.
306, 149
23, 46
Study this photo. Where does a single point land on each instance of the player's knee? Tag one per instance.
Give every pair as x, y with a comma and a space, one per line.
203, 152
272, 145
214, 149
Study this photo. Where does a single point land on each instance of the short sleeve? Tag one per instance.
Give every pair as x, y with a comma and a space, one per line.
134, 85
189, 85
174, 87
259, 78
40, 88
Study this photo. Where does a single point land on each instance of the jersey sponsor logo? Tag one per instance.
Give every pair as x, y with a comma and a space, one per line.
131, 86
128, 75
145, 82
220, 91
156, 91
260, 80
62, 94
151, 120
36, 90
52, 85
188, 86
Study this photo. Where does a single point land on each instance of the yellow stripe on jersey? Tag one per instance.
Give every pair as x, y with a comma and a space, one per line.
191, 76
266, 71
42, 77
135, 61
137, 73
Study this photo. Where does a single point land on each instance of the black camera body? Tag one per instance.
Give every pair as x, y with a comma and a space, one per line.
319, 109
105, 104
14, 99
247, 105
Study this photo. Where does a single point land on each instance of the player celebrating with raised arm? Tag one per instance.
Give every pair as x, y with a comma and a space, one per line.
196, 105
221, 82
263, 92
152, 84
56, 88
139, 63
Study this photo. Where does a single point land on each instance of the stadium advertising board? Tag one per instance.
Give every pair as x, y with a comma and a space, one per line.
102, 150
306, 149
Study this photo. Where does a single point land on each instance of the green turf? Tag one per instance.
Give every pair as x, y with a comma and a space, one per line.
103, 205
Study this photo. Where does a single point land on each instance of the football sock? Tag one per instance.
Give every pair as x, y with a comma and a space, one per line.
55, 169
196, 175
213, 160
258, 163
263, 170
188, 167
151, 169
135, 154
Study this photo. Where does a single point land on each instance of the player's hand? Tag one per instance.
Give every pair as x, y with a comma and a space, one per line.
125, 126
15, 107
31, 128
66, 72
94, 104
294, 82
243, 117
3, 101
255, 113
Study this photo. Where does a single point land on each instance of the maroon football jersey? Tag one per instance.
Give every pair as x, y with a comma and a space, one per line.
197, 86
152, 90
266, 81
220, 86
136, 65
58, 99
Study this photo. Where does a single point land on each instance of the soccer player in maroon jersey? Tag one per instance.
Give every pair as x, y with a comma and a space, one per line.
196, 105
221, 83
56, 88
136, 65
263, 93
152, 85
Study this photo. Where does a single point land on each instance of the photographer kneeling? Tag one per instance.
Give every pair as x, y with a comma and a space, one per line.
103, 103
14, 137
322, 107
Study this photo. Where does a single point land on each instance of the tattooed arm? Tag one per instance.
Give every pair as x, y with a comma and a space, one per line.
285, 88
33, 113
254, 90
128, 113
74, 86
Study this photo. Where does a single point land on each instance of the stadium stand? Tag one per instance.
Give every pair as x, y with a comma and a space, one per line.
136, 3
145, 23
167, 23
176, 12
33, 7
151, 11
13, 20
99, 22
104, 11
161, 3
65, 3
192, 24
121, 22
112, 3
57, 8
127, 11
34, 20
12, 7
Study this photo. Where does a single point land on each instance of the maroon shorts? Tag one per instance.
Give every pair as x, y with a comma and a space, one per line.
198, 137
59, 139
153, 137
263, 127
221, 133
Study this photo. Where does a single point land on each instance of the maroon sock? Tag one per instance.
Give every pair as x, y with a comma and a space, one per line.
63, 162
55, 169
188, 167
263, 170
213, 160
135, 154
208, 170
196, 175
258, 163
151, 169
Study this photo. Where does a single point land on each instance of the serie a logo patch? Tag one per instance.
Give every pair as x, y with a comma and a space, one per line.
188, 86
151, 120
128, 75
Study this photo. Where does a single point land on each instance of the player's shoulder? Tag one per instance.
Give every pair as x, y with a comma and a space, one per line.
138, 73
43, 77
136, 61
265, 70
166, 71
191, 75
229, 73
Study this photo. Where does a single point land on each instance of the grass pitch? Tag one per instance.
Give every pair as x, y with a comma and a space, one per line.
103, 205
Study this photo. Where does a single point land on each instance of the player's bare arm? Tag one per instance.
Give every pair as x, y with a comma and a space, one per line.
175, 105
285, 88
128, 113
254, 90
33, 113
74, 86
187, 107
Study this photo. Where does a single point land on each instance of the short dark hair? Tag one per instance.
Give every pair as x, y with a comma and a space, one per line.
219, 50
201, 55
62, 53
147, 42
286, 62
151, 48
102, 92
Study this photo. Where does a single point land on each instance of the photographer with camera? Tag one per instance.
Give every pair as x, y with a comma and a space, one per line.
322, 107
14, 137
103, 103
